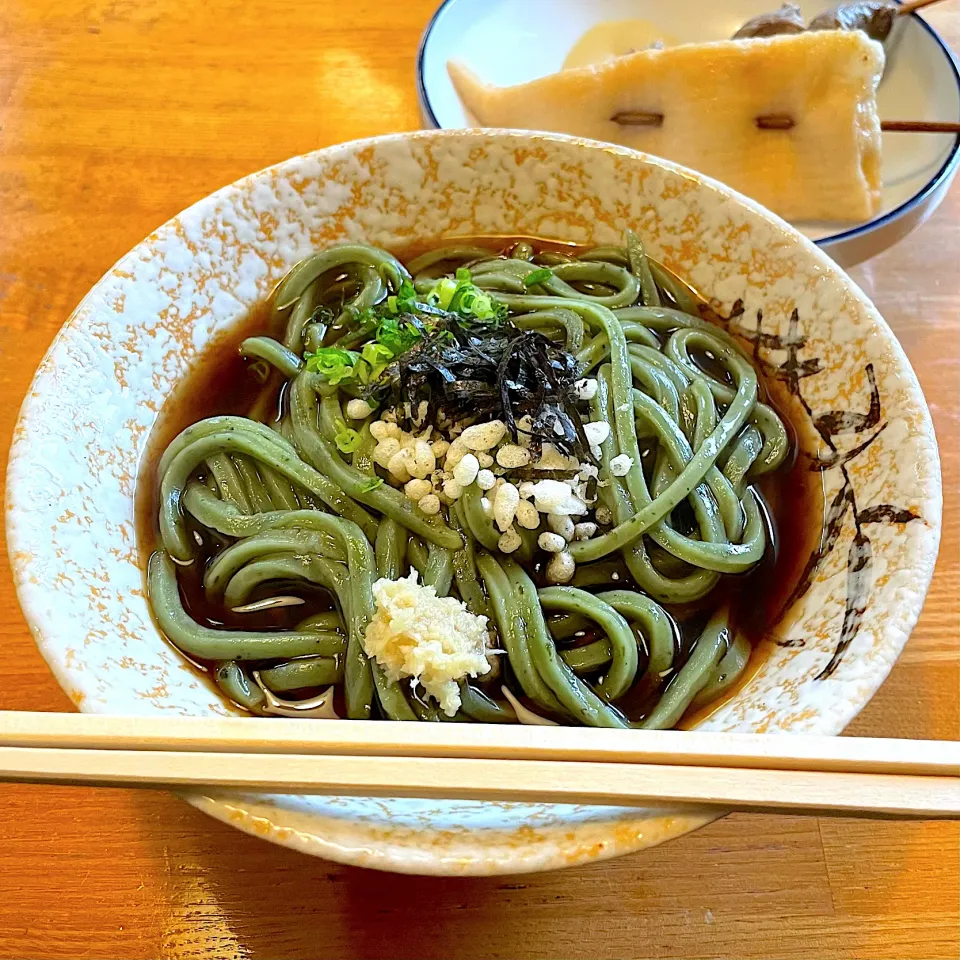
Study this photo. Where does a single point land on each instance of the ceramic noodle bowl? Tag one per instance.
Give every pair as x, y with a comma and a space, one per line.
863, 430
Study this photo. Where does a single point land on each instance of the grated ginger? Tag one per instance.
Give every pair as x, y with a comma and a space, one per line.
435, 640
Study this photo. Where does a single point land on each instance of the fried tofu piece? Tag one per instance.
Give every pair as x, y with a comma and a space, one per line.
698, 105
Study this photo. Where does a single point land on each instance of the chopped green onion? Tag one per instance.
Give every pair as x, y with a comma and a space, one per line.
375, 353
404, 301
347, 439
396, 327
365, 318
378, 356
362, 372
442, 293
334, 364
456, 301
537, 276
395, 336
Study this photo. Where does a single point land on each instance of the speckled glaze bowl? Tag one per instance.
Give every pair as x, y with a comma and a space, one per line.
85, 421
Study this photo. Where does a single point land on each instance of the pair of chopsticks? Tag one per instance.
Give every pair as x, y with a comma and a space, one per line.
786, 774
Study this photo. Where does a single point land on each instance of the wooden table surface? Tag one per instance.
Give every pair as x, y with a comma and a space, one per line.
116, 114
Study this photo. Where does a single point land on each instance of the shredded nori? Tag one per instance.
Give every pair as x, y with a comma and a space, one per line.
473, 371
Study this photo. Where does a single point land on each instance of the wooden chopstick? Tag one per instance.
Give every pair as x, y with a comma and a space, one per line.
845, 776
479, 741
535, 781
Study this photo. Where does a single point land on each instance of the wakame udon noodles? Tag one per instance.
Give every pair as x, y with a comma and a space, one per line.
495, 484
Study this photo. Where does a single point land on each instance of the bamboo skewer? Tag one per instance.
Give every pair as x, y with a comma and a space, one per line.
776, 122
920, 126
845, 776
913, 5
628, 118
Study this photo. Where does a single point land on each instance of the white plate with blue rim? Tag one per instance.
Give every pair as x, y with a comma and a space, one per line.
512, 41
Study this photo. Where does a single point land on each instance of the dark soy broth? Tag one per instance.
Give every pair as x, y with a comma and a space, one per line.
222, 382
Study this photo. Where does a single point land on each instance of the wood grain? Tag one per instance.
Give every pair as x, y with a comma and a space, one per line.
114, 115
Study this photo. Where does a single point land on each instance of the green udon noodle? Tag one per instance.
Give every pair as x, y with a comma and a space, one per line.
281, 504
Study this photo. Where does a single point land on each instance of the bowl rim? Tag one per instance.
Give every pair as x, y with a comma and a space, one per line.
253, 814
946, 172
